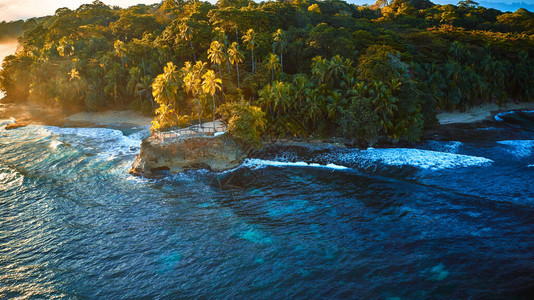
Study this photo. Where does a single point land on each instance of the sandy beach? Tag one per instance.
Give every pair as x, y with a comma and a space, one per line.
32, 114
481, 113
126, 117
26, 114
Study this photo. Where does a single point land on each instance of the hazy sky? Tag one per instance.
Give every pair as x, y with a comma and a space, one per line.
23, 9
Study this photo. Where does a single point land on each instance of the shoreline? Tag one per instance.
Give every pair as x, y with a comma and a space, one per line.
25, 114
480, 113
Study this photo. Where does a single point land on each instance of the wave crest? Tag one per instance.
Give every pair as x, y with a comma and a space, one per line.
421, 159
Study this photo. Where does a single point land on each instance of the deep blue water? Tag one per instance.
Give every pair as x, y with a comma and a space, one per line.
453, 218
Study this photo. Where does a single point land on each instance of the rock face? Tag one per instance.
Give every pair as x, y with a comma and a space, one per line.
217, 154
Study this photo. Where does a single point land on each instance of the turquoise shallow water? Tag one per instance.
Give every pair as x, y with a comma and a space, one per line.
450, 219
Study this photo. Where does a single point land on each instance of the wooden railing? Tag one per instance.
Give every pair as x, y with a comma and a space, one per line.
194, 130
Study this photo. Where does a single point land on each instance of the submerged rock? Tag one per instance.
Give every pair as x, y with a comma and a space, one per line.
16, 125
215, 153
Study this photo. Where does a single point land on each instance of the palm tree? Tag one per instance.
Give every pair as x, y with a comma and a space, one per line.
145, 88
164, 90
119, 50
65, 47
283, 95
276, 97
221, 37
273, 63
192, 82
319, 69
134, 82
216, 55
236, 57
314, 105
337, 66
265, 97
334, 106
280, 41
250, 40
301, 85
210, 85
456, 51
187, 35
75, 75
115, 82
385, 102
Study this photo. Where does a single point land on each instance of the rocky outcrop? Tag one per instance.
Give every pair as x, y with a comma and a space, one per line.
217, 154
16, 125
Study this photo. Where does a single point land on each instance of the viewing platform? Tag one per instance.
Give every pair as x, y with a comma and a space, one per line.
204, 129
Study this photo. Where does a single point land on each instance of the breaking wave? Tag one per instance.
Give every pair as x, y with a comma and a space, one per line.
518, 148
420, 159
259, 163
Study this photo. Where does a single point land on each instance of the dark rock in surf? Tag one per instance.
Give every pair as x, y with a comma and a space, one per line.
215, 153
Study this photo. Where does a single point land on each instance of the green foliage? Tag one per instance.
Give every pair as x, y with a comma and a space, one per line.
165, 91
244, 121
13, 80
321, 67
359, 121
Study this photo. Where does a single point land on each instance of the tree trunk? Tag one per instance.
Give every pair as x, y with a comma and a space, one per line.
222, 84
199, 119
144, 68
282, 58
213, 97
237, 70
193, 48
252, 61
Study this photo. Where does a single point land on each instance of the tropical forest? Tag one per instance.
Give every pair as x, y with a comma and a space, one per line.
324, 67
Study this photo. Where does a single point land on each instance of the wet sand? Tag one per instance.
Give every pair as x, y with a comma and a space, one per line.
108, 117
34, 114
481, 113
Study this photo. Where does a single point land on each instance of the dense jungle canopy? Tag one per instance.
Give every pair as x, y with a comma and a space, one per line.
327, 67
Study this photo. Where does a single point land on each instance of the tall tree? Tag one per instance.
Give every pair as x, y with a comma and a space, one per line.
236, 57
192, 82
187, 35
164, 90
279, 41
210, 85
250, 40
216, 55
273, 64
119, 50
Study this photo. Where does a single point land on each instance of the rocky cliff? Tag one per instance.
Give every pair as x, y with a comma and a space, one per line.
217, 154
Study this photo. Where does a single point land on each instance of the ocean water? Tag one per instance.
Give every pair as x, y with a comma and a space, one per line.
452, 217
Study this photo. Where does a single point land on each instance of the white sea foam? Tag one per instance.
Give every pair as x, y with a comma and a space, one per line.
422, 159
55, 143
4, 122
104, 142
260, 163
498, 117
9, 178
449, 147
519, 148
